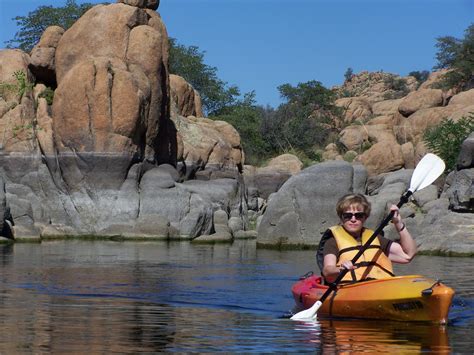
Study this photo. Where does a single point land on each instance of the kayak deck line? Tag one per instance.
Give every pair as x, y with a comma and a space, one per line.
400, 298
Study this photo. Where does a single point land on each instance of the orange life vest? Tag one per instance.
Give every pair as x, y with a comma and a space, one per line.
373, 263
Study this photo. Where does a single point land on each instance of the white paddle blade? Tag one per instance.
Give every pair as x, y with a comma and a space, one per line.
308, 314
426, 172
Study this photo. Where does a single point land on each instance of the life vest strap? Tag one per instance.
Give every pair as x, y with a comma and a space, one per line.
373, 263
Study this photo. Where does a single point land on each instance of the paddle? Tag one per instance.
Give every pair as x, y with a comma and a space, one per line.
426, 172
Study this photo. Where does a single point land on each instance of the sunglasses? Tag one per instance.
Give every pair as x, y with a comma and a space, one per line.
358, 215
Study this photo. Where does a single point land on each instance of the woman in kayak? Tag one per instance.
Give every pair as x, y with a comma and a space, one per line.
339, 244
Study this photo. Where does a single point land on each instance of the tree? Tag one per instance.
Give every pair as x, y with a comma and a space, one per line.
348, 74
446, 138
457, 55
304, 123
188, 62
35, 23
421, 76
247, 119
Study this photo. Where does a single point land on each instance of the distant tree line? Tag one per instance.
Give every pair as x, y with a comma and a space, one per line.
303, 124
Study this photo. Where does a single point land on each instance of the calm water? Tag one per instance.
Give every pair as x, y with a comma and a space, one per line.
131, 297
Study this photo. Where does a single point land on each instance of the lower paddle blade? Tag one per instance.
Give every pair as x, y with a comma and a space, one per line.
426, 172
308, 314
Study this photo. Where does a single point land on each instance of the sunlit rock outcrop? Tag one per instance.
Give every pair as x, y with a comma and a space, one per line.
103, 158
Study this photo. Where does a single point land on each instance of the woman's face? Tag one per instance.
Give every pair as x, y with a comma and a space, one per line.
353, 219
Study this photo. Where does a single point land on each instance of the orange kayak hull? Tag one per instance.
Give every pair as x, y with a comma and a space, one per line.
403, 298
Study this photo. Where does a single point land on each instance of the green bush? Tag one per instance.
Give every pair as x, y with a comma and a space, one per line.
446, 138
247, 118
349, 156
48, 94
21, 87
366, 146
398, 87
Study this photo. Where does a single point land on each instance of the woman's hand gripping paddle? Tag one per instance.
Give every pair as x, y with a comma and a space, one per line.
426, 172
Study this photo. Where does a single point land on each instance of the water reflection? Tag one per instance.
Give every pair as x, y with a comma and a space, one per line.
97, 297
382, 337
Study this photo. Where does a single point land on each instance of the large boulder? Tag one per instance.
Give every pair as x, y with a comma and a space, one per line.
465, 98
304, 207
261, 182
353, 137
466, 155
420, 99
208, 144
385, 154
111, 104
413, 128
185, 100
446, 233
264, 181
354, 108
434, 79
460, 190
286, 163
386, 107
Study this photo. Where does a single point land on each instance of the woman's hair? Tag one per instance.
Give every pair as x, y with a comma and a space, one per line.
348, 200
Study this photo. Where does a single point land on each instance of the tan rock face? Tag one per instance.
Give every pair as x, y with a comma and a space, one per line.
209, 143
42, 63
112, 82
389, 120
102, 31
354, 108
17, 114
413, 128
462, 111
99, 107
386, 107
185, 99
44, 132
12, 60
382, 157
353, 137
420, 99
408, 153
287, 163
465, 98
433, 79
380, 133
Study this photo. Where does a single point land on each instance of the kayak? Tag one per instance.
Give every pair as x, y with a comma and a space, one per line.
401, 298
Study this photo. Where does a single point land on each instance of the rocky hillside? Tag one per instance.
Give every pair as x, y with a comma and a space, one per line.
385, 117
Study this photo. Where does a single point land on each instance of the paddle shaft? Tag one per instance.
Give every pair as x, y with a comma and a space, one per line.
333, 285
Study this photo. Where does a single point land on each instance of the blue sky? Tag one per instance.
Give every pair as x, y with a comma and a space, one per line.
261, 44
